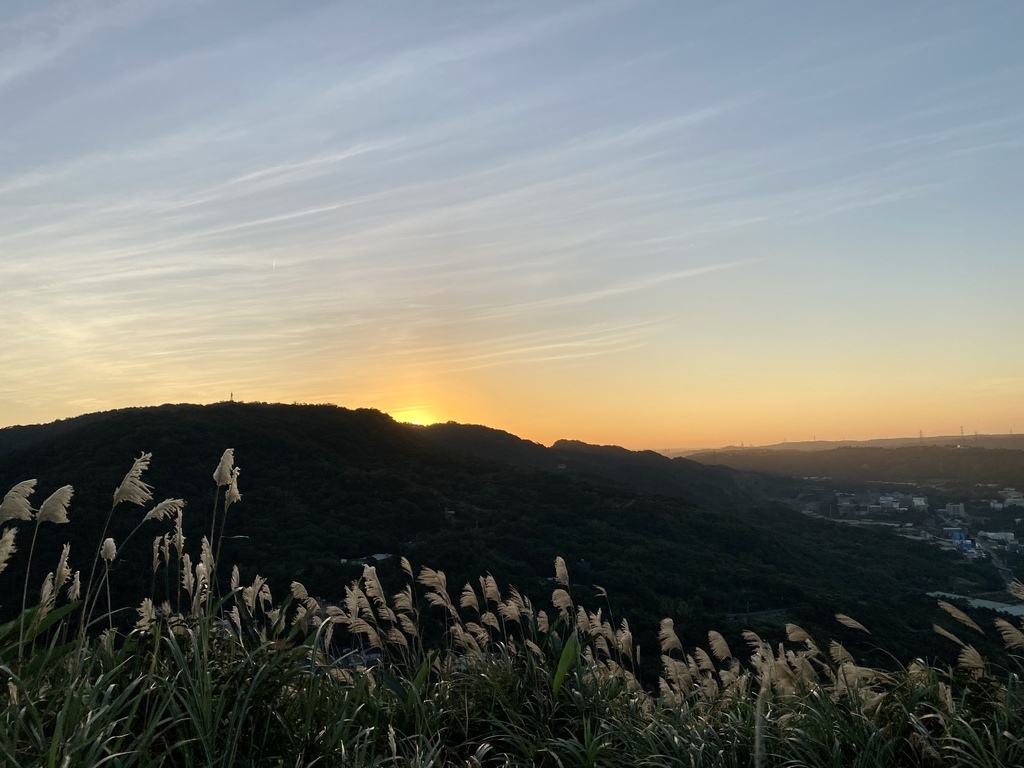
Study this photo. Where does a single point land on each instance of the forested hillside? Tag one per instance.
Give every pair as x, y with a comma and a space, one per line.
324, 488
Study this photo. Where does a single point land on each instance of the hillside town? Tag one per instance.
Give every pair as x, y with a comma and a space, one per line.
986, 525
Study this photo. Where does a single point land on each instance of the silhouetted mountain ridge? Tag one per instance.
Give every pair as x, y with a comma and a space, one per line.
325, 488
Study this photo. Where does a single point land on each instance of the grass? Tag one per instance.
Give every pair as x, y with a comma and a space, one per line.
436, 676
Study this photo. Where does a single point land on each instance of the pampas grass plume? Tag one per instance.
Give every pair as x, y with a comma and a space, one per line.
132, 489
55, 508
561, 572
846, 621
109, 550
222, 475
15, 505
7, 547
232, 495
960, 616
165, 509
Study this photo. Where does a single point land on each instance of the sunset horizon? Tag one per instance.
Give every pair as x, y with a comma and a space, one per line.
654, 225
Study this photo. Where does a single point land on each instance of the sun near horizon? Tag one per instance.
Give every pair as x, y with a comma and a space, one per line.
656, 225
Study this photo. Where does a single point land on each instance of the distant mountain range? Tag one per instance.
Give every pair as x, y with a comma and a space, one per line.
1013, 442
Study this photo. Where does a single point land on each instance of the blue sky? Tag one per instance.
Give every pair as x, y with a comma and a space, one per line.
656, 224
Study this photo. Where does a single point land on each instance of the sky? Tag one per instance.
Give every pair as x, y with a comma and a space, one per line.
655, 224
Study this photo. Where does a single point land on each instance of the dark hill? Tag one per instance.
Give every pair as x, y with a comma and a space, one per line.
646, 471
325, 486
959, 466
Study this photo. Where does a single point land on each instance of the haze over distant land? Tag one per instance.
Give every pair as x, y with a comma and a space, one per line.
643, 224
1011, 441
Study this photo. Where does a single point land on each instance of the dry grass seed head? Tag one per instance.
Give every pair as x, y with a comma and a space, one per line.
63, 571
374, 589
55, 508
432, 579
509, 611
157, 542
235, 578
583, 622
490, 589
231, 495
7, 547
719, 647
15, 505
408, 625
468, 598
668, 638
47, 597
132, 489
206, 555
971, 660
1016, 589
1013, 638
948, 635
147, 614
846, 621
624, 640
222, 475
795, 634
960, 616
561, 600
704, 663
187, 579
561, 572
165, 509
179, 535
403, 600
75, 590
542, 621
839, 654
109, 550
406, 566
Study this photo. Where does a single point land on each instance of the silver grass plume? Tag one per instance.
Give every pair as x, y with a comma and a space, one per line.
222, 475
490, 588
948, 635
156, 552
206, 555
165, 509
406, 566
232, 495
109, 550
1013, 638
7, 547
179, 536
468, 598
47, 598
75, 590
960, 616
971, 660
132, 489
63, 572
15, 505
55, 508
187, 579
668, 638
147, 615
561, 573
846, 621
718, 646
